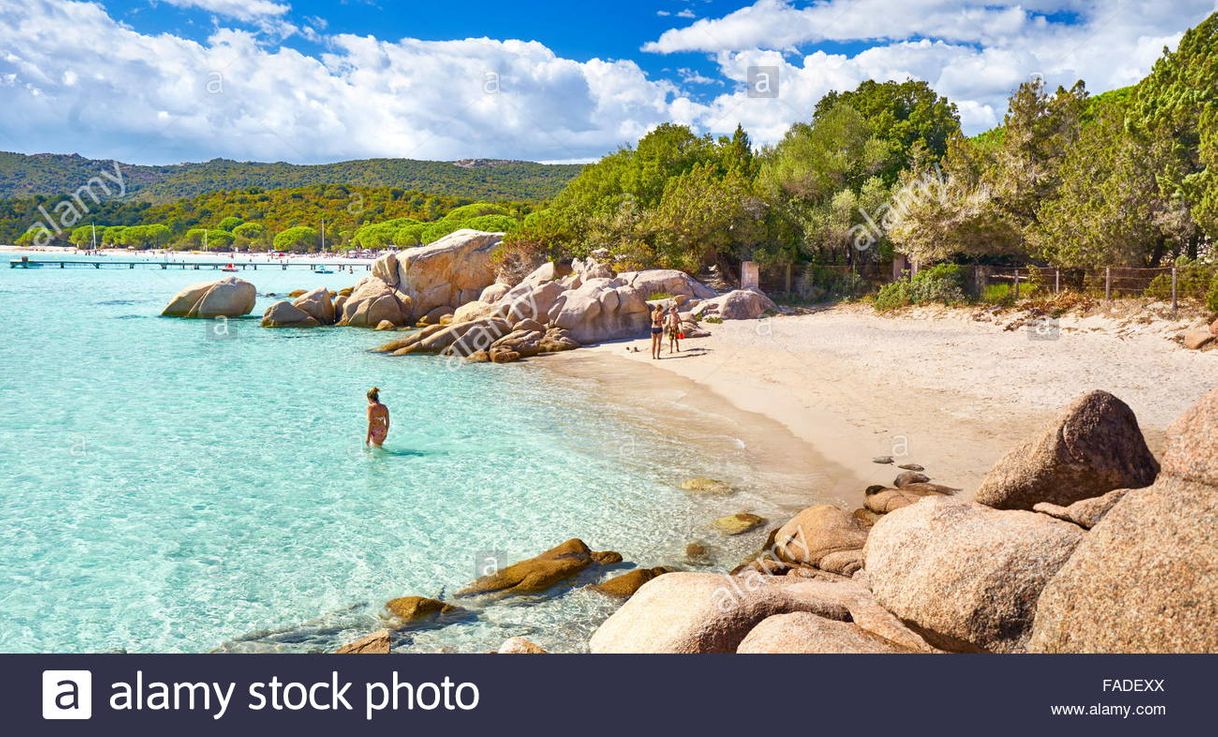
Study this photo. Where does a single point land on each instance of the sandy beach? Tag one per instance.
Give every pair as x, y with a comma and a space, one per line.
948, 389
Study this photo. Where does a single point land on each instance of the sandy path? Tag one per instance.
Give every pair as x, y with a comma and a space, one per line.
940, 389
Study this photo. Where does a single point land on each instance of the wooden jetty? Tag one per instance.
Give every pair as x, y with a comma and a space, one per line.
26, 262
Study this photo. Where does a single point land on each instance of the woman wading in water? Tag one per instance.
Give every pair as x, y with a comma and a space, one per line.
378, 419
657, 330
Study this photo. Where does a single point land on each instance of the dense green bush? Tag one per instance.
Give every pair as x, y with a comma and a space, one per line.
1192, 282
892, 296
943, 284
1211, 299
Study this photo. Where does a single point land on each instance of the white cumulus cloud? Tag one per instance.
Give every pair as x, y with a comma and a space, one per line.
162, 98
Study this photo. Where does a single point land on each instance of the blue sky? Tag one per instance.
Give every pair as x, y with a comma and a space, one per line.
161, 81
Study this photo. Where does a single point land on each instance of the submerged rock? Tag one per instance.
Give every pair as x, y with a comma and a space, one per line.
541, 572
376, 643
413, 609
739, 523
703, 485
520, 646
626, 584
1093, 448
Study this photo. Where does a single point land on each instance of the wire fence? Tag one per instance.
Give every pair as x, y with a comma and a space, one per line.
812, 282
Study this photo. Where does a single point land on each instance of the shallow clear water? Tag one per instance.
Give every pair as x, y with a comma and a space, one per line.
164, 488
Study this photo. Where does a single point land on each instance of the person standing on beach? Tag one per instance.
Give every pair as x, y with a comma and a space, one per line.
673, 323
378, 419
657, 330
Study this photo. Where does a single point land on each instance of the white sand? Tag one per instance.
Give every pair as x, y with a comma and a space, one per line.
949, 389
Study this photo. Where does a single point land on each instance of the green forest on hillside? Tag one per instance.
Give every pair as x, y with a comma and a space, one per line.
480, 179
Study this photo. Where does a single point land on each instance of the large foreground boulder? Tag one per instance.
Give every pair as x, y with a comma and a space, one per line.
1192, 453
1146, 578
1144, 581
228, 297
452, 271
739, 304
965, 576
1093, 448
804, 632
701, 613
541, 572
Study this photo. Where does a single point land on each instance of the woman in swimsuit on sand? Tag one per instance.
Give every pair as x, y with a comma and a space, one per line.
378, 419
657, 330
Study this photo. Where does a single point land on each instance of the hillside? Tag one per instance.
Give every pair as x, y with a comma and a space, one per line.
24, 175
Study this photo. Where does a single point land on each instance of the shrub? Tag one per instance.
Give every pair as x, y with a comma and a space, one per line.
1211, 299
943, 284
892, 296
1192, 282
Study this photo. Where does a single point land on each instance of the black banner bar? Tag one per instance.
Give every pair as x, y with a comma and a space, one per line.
588, 695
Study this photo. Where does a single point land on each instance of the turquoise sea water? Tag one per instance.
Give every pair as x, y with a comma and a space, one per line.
165, 488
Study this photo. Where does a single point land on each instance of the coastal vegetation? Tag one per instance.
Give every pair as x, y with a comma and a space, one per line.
1069, 180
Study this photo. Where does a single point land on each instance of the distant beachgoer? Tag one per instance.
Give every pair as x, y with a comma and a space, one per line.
673, 324
378, 419
657, 330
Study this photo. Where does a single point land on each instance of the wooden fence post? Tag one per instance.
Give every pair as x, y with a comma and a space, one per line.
1016, 285
1057, 281
1174, 301
1108, 283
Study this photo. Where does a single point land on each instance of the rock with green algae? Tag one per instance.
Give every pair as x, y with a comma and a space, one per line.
739, 523
703, 485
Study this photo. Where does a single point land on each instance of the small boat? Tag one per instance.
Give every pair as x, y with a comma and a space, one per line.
228, 267
323, 269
